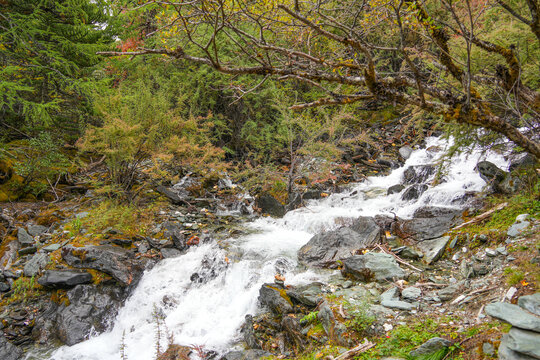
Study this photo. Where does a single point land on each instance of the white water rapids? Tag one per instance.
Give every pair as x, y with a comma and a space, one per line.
210, 314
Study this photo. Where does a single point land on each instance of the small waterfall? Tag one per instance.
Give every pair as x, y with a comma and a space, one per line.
210, 310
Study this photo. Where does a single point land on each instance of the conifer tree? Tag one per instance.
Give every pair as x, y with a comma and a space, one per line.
47, 57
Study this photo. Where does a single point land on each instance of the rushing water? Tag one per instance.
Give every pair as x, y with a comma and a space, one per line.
210, 314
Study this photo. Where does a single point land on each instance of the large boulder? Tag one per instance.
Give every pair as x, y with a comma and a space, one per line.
275, 297
64, 278
323, 250
490, 173
505, 353
89, 310
430, 211
8, 351
308, 295
417, 174
413, 192
424, 228
120, 263
270, 205
372, 267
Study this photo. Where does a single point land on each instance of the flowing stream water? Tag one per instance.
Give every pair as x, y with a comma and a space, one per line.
210, 313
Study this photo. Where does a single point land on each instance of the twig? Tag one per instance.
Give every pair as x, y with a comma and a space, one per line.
398, 259
482, 216
430, 284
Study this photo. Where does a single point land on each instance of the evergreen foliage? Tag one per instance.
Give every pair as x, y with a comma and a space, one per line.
47, 56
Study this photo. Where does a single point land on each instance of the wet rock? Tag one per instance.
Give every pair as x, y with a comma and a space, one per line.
170, 253
530, 303
293, 331
413, 192
424, 228
89, 309
275, 298
395, 189
248, 333
312, 195
270, 205
245, 355
430, 347
433, 249
172, 195
511, 184
405, 152
173, 232
35, 264
24, 238
505, 353
118, 262
372, 267
430, 211
524, 342
490, 173
35, 230
521, 160
514, 315
64, 278
417, 174
8, 351
309, 295
323, 250
122, 242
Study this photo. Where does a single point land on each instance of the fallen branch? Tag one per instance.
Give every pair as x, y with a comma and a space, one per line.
482, 216
366, 345
398, 259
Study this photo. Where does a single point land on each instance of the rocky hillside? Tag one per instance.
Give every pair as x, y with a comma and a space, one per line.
442, 284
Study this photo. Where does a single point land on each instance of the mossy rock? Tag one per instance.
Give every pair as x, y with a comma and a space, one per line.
6, 171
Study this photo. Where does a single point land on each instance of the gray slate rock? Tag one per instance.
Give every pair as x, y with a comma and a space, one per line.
411, 293
118, 262
417, 174
8, 351
170, 253
449, 292
252, 354
397, 304
514, 315
530, 303
24, 238
433, 249
390, 294
89, 309
517, 228
372, 267
521, 160
524, 341
309, 295
323, 250
270, 205
431, 346
327, 319
490, 173
425, 228
64, 278
505, 353
275, 298
36, 230
395, 189
430, 211
405, 152
52, 247
35, 264
413, 192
